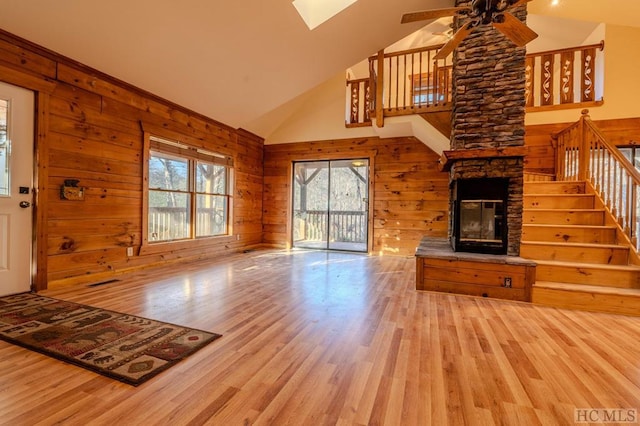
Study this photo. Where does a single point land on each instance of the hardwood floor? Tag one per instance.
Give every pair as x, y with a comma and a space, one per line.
333, 338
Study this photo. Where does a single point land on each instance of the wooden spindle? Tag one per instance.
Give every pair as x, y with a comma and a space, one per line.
566, 77
546, 87
588, 74
529, 86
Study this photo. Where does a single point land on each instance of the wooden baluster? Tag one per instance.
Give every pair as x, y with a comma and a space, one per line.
620, 194
390, 88
593, 146
614, 198
373, 87
583, 141
434, 83
634, 212
397, 79
367, 101
380, 91
608, 182
419, 85
354, 87
404, 83
598, 172
566, 77
629, 206
529, 86
587, 89
546, 88
560, 156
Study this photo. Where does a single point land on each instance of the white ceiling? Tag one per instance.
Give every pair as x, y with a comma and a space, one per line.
234, 61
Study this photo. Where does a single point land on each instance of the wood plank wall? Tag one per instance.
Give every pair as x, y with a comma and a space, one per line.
89, 129
541, 154
410, 194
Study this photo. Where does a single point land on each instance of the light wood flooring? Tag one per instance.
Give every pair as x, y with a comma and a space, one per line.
314, 338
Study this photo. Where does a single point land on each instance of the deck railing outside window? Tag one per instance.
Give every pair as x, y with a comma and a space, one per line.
346, 226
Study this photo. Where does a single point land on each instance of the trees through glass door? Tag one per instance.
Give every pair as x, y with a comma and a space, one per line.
330, 204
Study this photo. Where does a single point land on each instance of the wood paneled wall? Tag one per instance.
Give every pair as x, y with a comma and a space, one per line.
541, 154
89, 129
410, 194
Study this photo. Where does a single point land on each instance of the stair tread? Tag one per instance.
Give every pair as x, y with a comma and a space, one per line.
567, 194
631, 268
546, 225
555, 181
578, 210
583, 245
588, 288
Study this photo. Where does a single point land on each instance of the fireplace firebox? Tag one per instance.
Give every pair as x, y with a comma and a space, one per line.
480, 215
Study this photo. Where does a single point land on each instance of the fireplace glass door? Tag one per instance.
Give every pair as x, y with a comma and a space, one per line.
480, 215
481, 220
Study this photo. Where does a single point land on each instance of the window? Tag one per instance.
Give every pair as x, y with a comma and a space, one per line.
425, 91
188, 192
632, 152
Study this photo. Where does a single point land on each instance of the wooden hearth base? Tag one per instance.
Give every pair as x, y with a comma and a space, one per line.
439, 268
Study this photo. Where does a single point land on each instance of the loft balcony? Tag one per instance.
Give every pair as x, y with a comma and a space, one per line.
409, 82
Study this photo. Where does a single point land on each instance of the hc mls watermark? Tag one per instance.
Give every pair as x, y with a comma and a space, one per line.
605, 415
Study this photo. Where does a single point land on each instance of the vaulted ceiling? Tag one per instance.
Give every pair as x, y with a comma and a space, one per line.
233, 61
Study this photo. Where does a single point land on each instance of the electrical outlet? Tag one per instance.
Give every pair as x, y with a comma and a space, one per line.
238, 237
129, 251
507, 282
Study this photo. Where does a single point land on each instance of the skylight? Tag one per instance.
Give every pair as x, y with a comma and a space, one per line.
315, 12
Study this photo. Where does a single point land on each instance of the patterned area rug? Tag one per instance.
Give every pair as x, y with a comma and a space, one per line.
124, 347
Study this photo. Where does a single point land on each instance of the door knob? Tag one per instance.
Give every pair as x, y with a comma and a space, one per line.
25, 204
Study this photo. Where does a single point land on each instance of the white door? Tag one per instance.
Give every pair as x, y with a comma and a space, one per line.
16, 182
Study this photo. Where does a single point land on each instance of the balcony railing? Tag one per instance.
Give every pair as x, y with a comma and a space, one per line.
564, 78
584, 154
338, 226
412, 82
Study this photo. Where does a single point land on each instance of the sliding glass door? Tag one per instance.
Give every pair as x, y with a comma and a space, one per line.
330, 204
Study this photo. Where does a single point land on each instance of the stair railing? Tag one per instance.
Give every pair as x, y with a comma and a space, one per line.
583, 153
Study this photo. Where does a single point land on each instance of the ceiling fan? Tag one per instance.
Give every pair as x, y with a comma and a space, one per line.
481, 12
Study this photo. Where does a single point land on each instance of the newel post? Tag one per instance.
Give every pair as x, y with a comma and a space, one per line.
379, 91
584, 149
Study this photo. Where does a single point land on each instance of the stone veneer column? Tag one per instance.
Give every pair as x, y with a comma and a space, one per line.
488, 112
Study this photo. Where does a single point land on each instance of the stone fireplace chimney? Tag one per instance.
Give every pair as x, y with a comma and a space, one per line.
487, 138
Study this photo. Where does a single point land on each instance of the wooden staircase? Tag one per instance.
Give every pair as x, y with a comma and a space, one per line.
580, 263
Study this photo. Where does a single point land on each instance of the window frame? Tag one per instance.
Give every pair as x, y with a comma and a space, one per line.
155, 143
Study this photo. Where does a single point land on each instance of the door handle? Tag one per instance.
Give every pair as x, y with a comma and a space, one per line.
25, 204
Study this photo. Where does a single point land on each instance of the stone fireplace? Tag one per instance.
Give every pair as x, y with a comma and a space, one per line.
487, 138
485, 165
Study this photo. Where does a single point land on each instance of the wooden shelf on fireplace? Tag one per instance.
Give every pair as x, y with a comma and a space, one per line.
449, 157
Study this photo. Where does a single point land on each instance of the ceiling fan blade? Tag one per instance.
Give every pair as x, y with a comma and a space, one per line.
431, 14
519, 3
514, 29
457, 38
